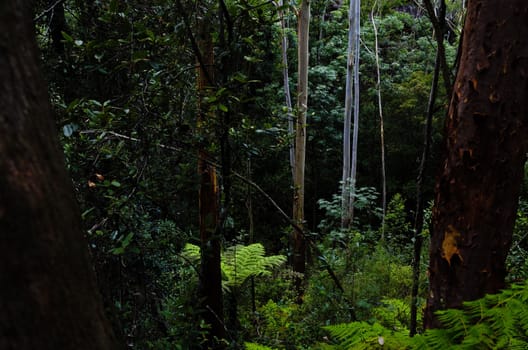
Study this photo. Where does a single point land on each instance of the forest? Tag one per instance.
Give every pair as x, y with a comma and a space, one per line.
263, 174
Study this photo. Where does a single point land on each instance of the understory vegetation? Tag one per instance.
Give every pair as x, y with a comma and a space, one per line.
122, 81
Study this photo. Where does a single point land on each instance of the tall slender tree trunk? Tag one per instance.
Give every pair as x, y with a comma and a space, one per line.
419, 215
299, 242
286, 86
439, 26
382, 129
57, 25
48, 295
350, 150
477, 190
210, 271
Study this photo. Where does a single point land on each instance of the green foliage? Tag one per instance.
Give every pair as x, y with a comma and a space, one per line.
517, 261
124, 93
382, 276
394, 314
253, 346
239, 263
398, 230
366, 211
496, 321
364, 336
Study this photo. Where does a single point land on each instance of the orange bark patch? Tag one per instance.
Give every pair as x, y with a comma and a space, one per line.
450, 244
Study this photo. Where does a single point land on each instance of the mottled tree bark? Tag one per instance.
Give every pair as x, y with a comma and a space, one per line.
48, 294
486, 144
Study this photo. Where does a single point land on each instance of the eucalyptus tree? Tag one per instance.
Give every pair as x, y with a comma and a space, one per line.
350, 150
299, 241
49, 295
382, 128
477, 190
286, 85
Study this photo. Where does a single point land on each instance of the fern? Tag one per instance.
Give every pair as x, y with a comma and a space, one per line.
191, 253
253, 346
239, 262
498, 321
364, 336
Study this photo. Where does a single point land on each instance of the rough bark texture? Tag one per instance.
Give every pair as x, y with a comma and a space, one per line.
486, 145
48, 294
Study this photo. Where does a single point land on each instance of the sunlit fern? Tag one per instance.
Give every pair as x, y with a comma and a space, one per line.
239, 263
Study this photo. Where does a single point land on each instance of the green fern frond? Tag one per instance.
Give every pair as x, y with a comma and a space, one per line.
433, 339
253, 346
238, 262
364, 336
456, 322
498, 321
242, 262
191, 253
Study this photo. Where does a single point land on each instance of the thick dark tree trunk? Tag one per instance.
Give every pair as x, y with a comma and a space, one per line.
48, 294
486, 145
210, 273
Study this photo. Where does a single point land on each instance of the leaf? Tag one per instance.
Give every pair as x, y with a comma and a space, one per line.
69, 129
115, 183
67, 37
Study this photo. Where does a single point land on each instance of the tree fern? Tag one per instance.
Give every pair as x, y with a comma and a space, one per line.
239, 262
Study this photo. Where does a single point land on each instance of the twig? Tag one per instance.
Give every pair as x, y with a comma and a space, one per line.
47, 10
244, 179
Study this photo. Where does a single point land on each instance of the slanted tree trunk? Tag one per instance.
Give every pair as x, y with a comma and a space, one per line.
477, 190
48, 294
299, 242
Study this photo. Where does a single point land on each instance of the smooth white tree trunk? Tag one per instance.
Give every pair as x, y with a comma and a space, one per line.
351, 104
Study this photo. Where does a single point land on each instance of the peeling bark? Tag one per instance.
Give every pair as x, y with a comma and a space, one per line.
477, 190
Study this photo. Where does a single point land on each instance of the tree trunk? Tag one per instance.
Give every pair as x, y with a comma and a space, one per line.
299, 243
350, 151
286, 86
419, 214
210, 271
48, 295
486, 144
382, 131
347, 122
57, 25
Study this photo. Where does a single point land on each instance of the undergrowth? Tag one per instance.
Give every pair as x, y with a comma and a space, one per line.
497, 321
